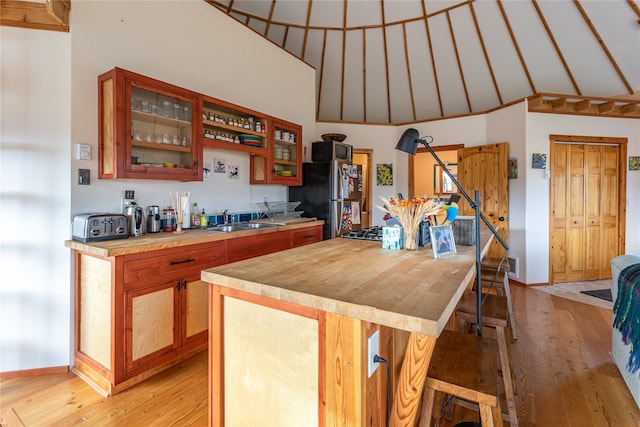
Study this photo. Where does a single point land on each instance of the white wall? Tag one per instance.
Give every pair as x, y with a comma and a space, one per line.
35, 302
193, 45
382, 139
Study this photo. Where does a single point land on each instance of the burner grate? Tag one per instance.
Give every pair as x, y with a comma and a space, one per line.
372, 233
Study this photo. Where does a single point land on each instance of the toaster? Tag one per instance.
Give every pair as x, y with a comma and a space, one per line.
92, 227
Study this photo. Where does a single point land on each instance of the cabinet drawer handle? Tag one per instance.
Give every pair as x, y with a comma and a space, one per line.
184, 284
182, 262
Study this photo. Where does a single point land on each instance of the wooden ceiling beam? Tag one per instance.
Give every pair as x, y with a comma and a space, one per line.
52, 16
583, 106
59, 10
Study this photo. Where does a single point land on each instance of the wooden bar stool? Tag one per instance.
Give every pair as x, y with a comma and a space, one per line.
496, 274
465, 366
494, 315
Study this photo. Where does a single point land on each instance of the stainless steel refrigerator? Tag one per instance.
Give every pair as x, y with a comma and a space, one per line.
331, 191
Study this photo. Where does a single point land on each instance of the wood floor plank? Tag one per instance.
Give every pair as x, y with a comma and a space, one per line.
562, 359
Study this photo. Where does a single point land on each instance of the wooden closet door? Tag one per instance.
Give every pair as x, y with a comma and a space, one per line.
584, 211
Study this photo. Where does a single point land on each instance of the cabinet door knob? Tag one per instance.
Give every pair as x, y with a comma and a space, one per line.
178, 285
184, 284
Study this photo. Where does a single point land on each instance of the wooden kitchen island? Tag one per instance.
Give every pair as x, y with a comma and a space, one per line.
288, 331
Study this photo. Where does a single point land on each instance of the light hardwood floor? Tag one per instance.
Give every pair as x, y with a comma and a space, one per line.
566, 378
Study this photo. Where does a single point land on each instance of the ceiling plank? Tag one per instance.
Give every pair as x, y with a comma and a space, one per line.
634, 6
386, 59
344, 52
455, 49
604, 46
556, 47
25, 14
406, 56
324, 51
433, 59
516, 46
364, 73
486, 54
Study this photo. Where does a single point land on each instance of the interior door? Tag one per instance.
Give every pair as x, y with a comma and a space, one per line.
586, 211
485, 168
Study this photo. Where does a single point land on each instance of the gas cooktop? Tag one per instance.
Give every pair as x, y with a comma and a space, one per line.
371, 233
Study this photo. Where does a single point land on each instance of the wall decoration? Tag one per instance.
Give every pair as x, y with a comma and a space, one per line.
220, 166
206, 170
384, 175
513, 168
234, 172
634, 163
539, 161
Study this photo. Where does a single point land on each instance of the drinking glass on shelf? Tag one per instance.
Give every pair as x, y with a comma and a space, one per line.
176, 111
166, 108
146, 106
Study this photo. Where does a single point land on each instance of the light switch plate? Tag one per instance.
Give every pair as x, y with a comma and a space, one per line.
83, 152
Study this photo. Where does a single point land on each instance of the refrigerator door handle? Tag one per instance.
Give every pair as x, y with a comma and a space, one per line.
335, 218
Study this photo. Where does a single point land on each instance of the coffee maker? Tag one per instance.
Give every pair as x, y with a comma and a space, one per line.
153, 219
135, 214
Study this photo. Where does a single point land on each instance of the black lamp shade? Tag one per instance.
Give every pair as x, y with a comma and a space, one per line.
409, 141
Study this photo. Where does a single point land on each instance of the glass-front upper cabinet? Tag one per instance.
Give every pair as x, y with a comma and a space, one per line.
148, 129
286, 157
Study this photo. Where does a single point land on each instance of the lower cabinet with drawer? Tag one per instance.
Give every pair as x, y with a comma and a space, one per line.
140, 314
145, 311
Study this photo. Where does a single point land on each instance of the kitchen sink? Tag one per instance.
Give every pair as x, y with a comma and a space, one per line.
227, 228
243, 226
258, 225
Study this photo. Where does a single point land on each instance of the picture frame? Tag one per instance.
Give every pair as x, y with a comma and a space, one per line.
442, 241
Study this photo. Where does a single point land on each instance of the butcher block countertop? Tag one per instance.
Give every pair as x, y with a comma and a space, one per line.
155, 241
407, 290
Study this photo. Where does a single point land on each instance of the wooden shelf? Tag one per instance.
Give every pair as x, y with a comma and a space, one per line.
234, 129
163, 147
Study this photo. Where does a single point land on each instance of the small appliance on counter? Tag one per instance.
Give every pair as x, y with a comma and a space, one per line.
154, 221
135, 215
93, 227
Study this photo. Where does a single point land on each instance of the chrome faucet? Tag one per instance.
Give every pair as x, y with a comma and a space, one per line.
225, 218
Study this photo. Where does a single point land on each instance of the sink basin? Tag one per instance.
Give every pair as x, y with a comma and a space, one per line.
244, 226
227, 228
258, 225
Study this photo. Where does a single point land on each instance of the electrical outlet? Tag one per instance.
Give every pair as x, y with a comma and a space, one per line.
128, 197
373, 348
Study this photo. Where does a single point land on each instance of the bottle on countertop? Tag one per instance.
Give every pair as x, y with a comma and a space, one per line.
186, 216
204, 220
195, 216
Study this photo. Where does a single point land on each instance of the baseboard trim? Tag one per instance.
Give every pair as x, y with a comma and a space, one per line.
34, 372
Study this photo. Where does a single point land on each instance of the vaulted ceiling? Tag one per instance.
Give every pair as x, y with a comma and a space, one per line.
402, 61
405, 61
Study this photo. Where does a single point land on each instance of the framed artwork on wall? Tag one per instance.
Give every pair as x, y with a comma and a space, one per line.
384, 174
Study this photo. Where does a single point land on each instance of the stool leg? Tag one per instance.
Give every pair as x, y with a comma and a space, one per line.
512, 317
501, 334
427, 407
490, 416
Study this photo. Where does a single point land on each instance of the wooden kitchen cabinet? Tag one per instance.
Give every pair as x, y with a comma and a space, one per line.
141, 313
306, 236
148, 129
140, 304
285, 154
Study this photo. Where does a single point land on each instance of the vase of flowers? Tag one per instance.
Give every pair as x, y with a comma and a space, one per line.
410, 214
